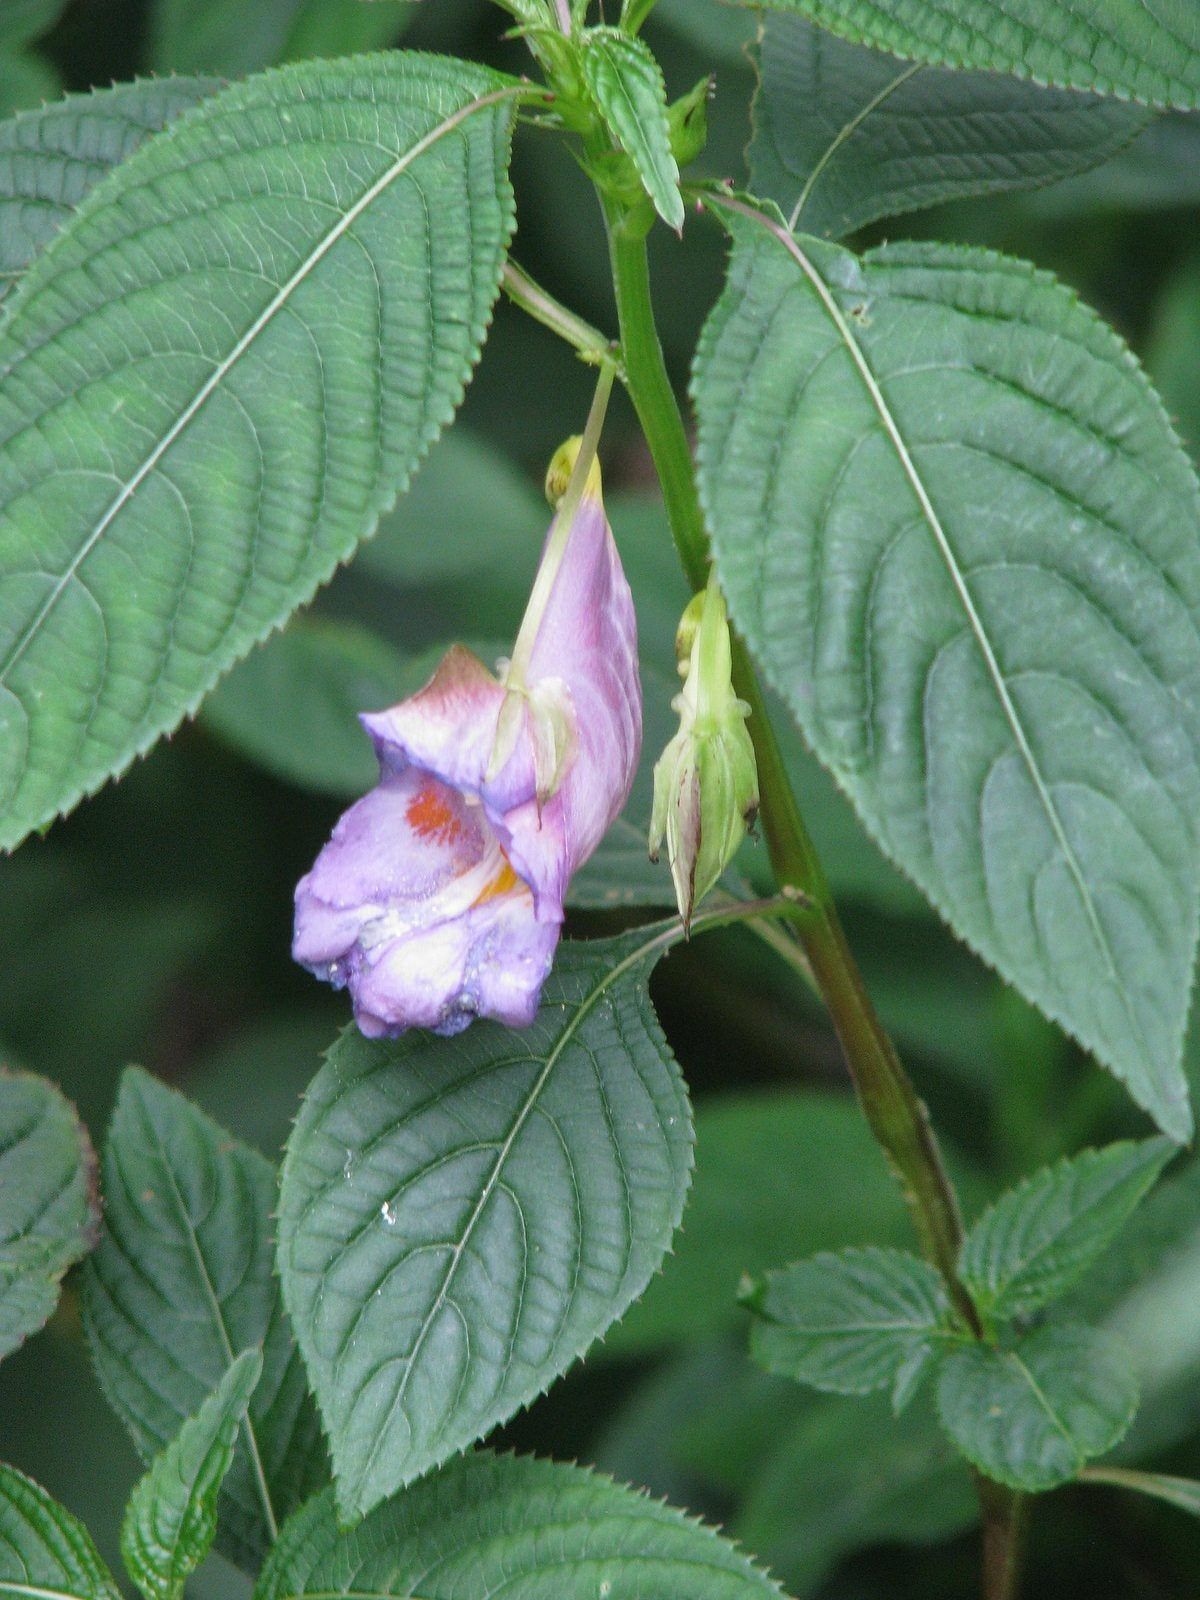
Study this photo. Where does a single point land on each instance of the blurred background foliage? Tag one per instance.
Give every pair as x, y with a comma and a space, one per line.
154, 924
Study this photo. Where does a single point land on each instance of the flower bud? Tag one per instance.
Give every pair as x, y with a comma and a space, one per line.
706, 781
562, 465
688, 121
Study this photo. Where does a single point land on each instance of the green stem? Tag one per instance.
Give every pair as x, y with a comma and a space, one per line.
1005, 1514
892, 1108
635, 13
894, 1112
653, 398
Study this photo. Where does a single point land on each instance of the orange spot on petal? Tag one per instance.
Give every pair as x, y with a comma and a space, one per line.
430, 814
504, 882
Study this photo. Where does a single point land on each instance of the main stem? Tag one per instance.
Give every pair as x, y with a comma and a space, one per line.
1004, 1516
894, 1112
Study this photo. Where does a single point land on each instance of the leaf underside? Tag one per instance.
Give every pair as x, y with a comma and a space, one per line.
460, 1219
214, 380
958, 534
844, 135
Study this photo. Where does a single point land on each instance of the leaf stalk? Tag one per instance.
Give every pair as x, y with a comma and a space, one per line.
538, 303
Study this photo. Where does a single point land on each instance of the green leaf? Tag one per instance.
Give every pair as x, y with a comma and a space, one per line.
626, 83
1031, 1416
1183, 1493
51, 158
460, 1220
490, 1524
44, 1550
1041, 1237
203, 408
844, 135
234, 39
49, 1206
171, 1518
974, 575
848, 1322
182, 1281
767, 1190
1135, 49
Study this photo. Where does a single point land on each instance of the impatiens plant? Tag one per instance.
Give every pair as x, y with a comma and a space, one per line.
938, 532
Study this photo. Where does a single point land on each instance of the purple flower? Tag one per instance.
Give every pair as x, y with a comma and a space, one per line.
440, 896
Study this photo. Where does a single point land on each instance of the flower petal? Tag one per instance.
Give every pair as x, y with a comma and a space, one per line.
413, 905
448, 727
587, 647
587, 641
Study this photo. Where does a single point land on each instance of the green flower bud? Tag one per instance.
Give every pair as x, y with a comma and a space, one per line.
688, 119
706, 780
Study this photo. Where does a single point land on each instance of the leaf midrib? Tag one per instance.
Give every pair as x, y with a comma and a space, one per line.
1043, 1402
247, 1423
946, 550
1001, 1288
35, 1591
585, 1007
817, 1330
277, 303
846, 132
